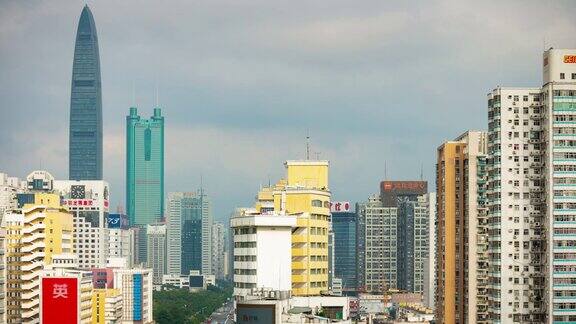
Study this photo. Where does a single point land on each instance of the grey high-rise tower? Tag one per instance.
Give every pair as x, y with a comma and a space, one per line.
85, 134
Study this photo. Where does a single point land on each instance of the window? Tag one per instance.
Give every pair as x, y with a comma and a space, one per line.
573, 76
561, 76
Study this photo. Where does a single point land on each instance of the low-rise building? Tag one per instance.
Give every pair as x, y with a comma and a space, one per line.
136, 287
106, 306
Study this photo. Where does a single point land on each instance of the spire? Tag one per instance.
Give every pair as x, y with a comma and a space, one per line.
308, 144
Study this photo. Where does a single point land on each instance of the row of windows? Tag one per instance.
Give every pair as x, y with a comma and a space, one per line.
245, 244
561, 231
565, 256
564, 168
245, 271
245, 258
244, 230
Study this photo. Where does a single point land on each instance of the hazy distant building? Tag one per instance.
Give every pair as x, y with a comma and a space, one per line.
85, 134
156, 249
218, 250
344, 222
144, 171
393, 237
196, 233
9, 187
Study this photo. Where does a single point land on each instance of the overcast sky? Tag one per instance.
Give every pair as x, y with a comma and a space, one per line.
241, 82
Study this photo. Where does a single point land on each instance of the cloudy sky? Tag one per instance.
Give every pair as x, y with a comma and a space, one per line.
241, 82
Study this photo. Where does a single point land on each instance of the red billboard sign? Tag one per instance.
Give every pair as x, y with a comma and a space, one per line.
59, 300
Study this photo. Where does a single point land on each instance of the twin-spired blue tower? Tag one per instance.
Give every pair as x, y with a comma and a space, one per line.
85, 134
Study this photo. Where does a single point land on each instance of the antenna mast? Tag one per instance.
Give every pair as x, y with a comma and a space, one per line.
307, 144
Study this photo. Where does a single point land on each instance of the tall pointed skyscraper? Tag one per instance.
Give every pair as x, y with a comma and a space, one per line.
85, 134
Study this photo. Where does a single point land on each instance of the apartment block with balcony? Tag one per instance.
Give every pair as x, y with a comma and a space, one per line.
460, 232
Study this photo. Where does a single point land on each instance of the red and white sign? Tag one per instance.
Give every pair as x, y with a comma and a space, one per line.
340, 206
59, 300
79, 202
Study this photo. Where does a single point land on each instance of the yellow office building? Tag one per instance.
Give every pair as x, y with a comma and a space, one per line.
106, 306
38, 230
305, 194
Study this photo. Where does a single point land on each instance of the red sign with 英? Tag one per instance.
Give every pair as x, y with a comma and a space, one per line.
59, 300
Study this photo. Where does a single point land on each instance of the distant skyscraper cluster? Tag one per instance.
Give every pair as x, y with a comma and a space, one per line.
494, 243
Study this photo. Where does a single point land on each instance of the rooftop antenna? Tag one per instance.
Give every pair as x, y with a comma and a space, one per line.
421, 171
157, 100
307, 144
385, 171
201, 186
133, 93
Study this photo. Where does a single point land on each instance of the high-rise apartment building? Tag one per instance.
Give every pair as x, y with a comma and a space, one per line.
393, 237
516, 210
262, 252
461, 231
144, 172
3, 245
156, 240
218, 249
305, 194
40, 229
88, 202
344, 222
85, 134
530, 197
428, 294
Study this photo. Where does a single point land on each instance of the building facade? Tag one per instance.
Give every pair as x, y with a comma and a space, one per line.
9, 187
196, 235
262, 252
304, 193
218, 250
85, 134
136, 288
428, 295
122, 238
461, 234
156, 240
106, 306
344, 222
88, 202
144, 171
40, 229
393, 237
65, 296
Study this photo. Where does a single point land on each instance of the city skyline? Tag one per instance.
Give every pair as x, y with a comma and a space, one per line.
231, 104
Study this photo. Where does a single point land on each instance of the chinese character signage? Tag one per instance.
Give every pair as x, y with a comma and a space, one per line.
59, 300
79, 202
340, 206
